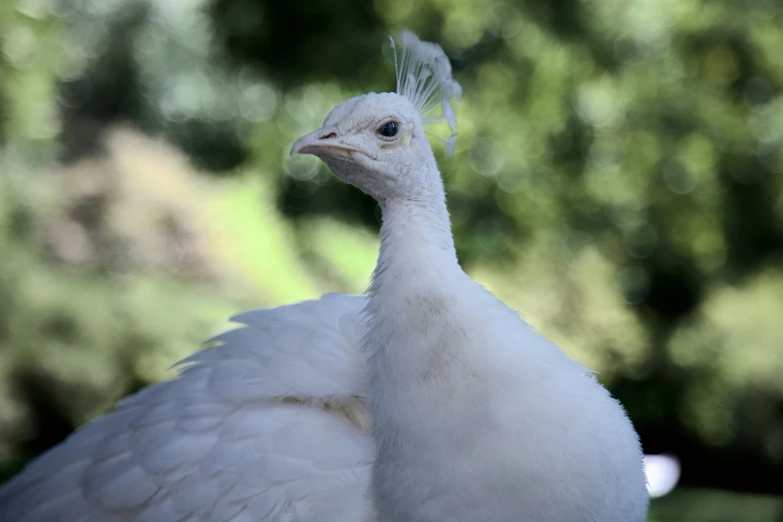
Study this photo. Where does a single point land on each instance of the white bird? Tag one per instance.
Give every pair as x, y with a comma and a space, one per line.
429, 400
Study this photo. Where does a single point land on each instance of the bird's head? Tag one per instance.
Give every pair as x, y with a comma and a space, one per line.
377, 142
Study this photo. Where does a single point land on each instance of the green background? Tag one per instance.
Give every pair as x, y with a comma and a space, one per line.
618, 178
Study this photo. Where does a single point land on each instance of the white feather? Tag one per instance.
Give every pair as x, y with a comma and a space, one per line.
424, 78
224, 442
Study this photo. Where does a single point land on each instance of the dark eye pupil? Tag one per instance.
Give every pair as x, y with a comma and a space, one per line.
388, 129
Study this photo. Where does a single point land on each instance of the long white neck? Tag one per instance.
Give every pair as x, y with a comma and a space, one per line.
416, 235
417, 266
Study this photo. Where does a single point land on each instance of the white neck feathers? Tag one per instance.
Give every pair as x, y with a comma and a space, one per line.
416, 234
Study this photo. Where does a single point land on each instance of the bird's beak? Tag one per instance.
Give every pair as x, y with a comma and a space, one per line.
323, 142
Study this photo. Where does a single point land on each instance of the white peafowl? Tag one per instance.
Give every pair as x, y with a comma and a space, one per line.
428, 400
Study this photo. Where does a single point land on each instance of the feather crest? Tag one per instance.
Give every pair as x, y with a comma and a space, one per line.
424, 77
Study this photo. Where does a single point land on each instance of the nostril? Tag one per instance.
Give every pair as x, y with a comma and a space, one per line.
328, 136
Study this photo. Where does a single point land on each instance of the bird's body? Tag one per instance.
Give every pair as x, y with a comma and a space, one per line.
531, 435
428, 400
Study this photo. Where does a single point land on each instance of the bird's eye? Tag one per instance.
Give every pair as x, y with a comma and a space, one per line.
389, 129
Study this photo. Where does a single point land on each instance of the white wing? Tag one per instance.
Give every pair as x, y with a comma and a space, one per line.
270, 424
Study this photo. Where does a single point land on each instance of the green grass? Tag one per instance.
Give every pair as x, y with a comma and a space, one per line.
703, 505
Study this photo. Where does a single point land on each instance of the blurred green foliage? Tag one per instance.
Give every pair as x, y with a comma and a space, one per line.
618, 178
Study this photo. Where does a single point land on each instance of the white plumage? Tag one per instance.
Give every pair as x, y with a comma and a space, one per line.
427, 401
220, 443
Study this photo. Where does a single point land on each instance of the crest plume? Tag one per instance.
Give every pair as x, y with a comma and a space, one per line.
424, 77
